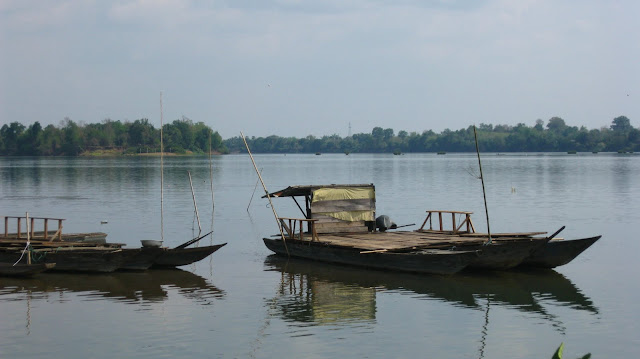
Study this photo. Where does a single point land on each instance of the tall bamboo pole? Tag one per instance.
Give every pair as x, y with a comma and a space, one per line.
484, 194
211, 179
161, 175
195, 205
266, 193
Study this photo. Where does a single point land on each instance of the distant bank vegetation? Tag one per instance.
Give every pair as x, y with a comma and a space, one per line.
185, 137
555, 136
108, 138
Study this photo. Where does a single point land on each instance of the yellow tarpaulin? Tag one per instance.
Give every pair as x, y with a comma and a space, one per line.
351, 216
332, 194
343, 198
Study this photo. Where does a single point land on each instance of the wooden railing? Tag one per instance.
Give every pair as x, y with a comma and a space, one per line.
294, 227
45, 232
454, 229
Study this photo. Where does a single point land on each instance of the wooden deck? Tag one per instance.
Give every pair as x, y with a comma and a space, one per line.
408, 240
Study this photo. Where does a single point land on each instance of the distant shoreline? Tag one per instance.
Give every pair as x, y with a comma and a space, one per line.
119, 153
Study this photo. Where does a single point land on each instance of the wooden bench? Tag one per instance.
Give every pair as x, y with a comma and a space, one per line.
290, 225
45, 233
454, 229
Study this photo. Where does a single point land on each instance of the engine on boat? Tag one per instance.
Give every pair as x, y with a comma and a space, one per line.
383, 223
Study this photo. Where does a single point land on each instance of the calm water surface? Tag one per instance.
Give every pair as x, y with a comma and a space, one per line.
243, 302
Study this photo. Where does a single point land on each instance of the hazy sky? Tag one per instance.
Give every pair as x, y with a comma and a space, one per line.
300, 67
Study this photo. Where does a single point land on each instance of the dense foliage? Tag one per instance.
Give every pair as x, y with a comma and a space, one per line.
557, 136
183, 136
140, 136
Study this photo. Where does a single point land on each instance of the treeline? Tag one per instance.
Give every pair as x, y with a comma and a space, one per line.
183, 136
140, 136
555, 136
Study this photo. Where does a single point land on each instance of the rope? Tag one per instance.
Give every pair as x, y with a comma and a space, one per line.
26, 248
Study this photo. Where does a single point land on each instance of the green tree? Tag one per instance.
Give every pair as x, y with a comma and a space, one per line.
621, 124
10, 137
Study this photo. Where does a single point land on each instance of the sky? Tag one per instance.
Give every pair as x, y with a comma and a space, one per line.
320, 67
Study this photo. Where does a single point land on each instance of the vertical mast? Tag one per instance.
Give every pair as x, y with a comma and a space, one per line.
161, 175
484, 195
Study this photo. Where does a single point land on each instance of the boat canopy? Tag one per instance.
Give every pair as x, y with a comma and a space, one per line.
307, 190
335, 207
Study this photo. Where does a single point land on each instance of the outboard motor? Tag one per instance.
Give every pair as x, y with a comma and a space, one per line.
384, 222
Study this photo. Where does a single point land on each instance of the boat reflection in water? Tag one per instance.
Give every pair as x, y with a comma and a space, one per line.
323, 293
129, 287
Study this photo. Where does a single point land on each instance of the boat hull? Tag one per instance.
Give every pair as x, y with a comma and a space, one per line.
23, 270
103, 260
140, 258
172, 257
558, 252
423, 261
504, 255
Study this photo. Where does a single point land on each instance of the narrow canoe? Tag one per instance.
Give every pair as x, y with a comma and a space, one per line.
429, 261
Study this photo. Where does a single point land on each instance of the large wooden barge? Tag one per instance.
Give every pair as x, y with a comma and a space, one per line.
339, 225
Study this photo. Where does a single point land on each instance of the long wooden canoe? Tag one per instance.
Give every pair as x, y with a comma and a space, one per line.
429, 261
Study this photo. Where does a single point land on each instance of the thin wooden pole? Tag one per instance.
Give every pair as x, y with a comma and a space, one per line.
161, 175
211, 178
266, 193
484, 194
195, 205
254, 192
28, 239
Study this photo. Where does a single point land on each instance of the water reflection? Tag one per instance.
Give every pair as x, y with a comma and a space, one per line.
129, 287
321, 293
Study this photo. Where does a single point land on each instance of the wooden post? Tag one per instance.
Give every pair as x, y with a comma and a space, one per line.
453, 222
19, 224
440, 218
6, 226
59, 229
46, 228
425, 221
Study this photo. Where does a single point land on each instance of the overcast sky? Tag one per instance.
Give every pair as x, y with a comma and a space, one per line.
301, 67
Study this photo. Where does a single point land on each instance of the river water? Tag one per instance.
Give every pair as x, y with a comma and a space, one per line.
243, 302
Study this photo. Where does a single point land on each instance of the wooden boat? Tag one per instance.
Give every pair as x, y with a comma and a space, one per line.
72, 259
175, 257
558, 252
429, 261
23, 269
341, 226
